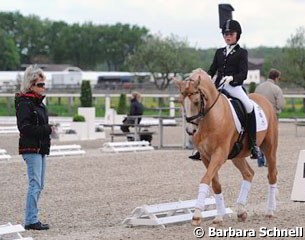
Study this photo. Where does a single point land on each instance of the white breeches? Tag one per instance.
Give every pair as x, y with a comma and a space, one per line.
239, 93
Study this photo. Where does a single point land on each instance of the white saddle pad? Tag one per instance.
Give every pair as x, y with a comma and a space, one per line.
261, 120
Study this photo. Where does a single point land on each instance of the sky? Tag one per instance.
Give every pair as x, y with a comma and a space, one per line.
267, 23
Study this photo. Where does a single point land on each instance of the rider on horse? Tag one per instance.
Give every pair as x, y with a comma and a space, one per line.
231, 65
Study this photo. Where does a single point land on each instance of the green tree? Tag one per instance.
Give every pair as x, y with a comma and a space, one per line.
164, 58
9, 57
57, 41
86, 94
122, 104
295, 57
118, 42
33, 46
87, 46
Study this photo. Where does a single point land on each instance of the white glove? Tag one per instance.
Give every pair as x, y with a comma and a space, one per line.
227, 79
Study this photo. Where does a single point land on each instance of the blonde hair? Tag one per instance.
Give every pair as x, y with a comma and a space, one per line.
31, 74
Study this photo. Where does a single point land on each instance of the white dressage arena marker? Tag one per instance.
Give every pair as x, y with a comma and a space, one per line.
4, 155
9, 130
298, 193
66, 150
167, 213
12, 229
132, 146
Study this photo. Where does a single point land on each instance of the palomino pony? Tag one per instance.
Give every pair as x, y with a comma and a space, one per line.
214, 138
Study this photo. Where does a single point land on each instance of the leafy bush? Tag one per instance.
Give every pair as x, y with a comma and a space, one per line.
122, 104
86, 94
78, 118
252, 87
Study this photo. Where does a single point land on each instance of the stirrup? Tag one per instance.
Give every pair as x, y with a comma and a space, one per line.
255, 153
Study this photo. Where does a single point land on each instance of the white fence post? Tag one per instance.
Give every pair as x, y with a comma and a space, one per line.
172, 107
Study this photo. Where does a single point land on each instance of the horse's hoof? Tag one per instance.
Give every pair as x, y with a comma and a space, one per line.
218, 220
196, 221
270, 216
242, 217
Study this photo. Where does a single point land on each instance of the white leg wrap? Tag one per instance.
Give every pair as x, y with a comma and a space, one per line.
203, 192
220, 204
271, 201
244, 191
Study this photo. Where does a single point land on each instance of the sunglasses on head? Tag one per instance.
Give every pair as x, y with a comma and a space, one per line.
40, 85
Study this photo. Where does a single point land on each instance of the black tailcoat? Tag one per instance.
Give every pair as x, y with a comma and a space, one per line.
235, 64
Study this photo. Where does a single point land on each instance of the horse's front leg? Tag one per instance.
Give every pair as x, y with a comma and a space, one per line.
204, 188
219, 200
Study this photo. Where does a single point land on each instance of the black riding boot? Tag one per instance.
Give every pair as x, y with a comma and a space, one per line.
255, 151
196, 156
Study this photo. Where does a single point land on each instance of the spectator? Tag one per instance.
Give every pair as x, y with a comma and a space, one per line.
34, 140
135, 111
272, 91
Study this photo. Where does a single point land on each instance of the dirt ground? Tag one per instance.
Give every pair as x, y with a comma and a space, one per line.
88, 197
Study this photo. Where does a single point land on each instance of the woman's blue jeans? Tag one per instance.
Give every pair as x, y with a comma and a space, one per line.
36, 166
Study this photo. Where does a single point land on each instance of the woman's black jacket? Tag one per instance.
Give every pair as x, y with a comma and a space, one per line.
33, 124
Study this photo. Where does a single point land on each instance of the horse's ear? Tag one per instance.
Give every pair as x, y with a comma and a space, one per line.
197, 81
177, 82
204, 92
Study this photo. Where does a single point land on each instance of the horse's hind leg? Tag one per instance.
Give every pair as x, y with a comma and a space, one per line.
247, 173
270, 153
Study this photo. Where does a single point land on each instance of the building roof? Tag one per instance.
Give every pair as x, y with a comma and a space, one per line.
255, 63
54, 67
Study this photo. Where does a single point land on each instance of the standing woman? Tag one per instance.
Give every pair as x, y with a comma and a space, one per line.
34, 140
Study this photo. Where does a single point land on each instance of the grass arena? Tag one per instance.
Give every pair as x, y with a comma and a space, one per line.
88, 197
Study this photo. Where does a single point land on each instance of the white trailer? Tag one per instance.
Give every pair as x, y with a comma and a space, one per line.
66, 79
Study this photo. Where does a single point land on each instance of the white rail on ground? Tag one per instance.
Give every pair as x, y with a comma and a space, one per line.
9, 229
9, 130
132, 146
169, 213
66, 150
4, 155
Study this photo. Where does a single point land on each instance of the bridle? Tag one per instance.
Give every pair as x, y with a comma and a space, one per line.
202, 111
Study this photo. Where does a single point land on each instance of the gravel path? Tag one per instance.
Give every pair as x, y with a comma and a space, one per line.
88, 197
